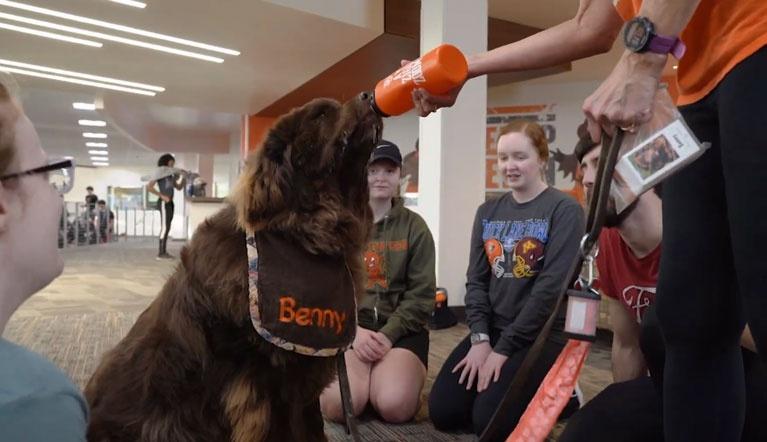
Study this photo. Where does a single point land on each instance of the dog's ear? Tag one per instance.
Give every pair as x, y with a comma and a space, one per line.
264, 185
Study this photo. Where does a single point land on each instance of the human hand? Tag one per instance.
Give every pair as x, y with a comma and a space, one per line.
383, 344
426, 103
473, 361
165, 198
365, 346
490, 371
626, 97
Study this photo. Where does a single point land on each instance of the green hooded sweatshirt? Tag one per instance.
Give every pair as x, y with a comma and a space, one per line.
401, 281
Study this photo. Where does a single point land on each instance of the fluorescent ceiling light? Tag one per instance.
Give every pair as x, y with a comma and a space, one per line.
130, 3
93, 144
98, 78
99, 158
94, 135
116, 27
84, 106
100, 163
98, 152
94, 123
101, 35
52, 35
74, 80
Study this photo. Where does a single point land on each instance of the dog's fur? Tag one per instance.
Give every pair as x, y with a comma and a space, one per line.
193, 368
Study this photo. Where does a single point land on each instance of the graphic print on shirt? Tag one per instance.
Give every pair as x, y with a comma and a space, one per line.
495, 256
374, 264
637, 299
522, 245
527, 258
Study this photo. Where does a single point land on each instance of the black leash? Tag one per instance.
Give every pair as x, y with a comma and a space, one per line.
346, 398
594, 223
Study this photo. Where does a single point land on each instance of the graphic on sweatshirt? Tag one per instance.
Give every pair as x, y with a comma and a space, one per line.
374, 264
522, 246
527, 257
495, 256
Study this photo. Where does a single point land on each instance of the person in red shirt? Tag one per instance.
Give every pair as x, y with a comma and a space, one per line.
627, 264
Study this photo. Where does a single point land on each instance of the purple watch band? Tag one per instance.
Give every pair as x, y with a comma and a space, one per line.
664, 45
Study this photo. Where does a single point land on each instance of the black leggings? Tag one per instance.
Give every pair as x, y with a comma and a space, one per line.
631, 411
713, 273
453, 408
166, 218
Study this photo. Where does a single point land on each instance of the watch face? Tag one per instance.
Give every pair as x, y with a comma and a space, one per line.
637, 34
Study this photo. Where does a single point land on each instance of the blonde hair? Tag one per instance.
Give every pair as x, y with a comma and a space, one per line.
9, 112
531, 130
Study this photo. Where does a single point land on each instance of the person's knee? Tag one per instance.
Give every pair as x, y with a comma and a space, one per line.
442, 412
330, 405
396, 407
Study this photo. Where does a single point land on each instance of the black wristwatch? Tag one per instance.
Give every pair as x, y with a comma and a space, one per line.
476, 338
639, 36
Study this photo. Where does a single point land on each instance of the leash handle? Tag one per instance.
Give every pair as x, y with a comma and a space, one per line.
594, 223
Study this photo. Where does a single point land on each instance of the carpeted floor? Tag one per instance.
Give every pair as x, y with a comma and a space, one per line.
92, 306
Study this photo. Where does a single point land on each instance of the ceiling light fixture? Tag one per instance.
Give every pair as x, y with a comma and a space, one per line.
97, 78
93, 144
100, 163
109, 37
130, 3
93, 123
75, 81
51, 35
99, 158
116, 27
676, 67
94, 135
84, 106
98, 152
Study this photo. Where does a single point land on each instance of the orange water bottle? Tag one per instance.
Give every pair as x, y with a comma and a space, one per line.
437, 71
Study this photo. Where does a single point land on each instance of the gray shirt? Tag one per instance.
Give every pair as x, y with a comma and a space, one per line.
520, 255
37, 401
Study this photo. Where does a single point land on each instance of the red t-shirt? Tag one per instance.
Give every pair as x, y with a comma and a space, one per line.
625, 277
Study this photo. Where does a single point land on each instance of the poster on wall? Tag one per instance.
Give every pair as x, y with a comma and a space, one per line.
568, 180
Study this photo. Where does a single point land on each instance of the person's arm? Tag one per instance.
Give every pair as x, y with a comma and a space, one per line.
567, 228
625, 98
61, 417
417, 302
592, 31
477, 299
627, 358
151, 187
179, 184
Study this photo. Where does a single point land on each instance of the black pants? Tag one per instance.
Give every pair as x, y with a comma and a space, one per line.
713, 273
632, 411
453, 408
166, 218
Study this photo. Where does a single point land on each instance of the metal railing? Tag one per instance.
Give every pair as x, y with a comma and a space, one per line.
82, 224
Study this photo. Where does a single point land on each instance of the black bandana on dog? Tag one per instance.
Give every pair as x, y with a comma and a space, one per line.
298, 301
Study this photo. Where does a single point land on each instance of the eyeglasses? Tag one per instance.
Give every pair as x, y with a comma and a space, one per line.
60, 173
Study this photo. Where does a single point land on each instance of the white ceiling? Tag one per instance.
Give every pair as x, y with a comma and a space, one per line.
283, 43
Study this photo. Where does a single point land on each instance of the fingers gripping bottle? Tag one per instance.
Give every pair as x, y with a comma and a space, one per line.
438, 71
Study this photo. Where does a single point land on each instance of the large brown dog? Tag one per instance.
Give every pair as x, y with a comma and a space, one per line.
193, 368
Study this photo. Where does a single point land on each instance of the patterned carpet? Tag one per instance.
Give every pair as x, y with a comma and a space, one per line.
92, 306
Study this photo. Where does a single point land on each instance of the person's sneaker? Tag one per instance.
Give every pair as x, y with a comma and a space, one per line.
165, 256
574, 404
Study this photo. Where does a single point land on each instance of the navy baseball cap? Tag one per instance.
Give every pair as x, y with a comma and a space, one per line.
386, 150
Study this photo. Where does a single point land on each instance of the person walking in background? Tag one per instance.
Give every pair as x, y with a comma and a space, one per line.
165, 187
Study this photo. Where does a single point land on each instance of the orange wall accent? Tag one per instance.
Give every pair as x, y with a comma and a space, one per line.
253, 131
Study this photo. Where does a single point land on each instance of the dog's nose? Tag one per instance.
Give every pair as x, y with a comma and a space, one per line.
365, 96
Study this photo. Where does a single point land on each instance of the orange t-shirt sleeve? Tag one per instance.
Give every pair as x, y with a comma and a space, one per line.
628, 9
